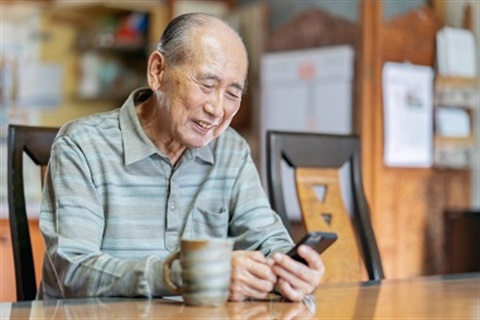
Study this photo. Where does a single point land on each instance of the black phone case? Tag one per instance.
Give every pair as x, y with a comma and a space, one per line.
319, 241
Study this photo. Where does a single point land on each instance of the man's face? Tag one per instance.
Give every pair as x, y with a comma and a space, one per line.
203, 93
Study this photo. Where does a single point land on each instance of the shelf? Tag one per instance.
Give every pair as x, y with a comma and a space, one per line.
135, 49
460, 96
111, 45
75, 12
456, 92
104, 97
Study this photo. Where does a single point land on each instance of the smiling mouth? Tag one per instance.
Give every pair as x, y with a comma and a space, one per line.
204, 125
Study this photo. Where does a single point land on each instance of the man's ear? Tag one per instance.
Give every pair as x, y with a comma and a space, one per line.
156, 66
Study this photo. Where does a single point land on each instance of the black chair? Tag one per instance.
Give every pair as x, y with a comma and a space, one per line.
326, 167
36, 143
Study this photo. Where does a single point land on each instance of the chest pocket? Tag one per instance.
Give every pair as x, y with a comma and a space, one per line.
210, 223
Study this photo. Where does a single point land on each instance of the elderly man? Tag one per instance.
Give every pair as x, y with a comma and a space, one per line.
123, 187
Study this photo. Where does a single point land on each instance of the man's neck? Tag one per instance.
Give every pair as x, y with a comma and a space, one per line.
150, 119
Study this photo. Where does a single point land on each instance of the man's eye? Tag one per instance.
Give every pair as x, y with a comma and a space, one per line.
232, 95
207, 86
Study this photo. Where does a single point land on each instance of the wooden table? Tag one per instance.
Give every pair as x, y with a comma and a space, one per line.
436, 297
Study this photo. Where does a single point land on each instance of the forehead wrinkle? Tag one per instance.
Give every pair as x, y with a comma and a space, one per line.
228, 43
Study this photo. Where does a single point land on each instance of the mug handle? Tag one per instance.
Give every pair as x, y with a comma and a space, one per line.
166, 273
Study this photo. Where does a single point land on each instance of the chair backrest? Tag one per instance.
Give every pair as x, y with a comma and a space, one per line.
36, 143
330, 193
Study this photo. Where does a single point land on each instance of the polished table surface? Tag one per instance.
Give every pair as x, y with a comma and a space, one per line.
434, 297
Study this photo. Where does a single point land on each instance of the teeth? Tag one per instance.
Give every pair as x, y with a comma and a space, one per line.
203, 124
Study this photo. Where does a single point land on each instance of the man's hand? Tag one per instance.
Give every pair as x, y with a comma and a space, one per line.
296, 280
251, 276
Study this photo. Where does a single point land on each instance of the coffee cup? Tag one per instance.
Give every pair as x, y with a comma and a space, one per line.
205, 271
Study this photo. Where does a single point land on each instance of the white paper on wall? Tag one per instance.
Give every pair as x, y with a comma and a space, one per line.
408, 115
456, 52
452, 122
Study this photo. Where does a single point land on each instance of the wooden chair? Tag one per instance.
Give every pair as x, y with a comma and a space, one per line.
36, 143
320, 162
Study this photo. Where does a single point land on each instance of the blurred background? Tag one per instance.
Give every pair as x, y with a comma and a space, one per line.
314, 66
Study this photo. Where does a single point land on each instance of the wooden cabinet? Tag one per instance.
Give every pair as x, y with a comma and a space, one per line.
112, 42
7, 271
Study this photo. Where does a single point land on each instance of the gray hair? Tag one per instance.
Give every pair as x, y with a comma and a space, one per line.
174, 43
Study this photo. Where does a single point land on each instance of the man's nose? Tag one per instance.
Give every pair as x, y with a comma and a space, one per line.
214, 107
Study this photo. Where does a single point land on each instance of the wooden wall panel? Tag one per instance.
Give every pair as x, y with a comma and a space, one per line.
7, 269
409, 219
411, 38
407, 204
311, 29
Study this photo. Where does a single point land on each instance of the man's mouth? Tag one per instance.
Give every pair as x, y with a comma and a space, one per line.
204, 124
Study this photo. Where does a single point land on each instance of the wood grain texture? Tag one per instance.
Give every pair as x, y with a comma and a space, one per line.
343, 261
420, 298
407, 204
7, 278
313, 28
411, 37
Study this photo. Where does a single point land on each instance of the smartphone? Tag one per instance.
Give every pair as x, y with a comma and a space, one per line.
319, 241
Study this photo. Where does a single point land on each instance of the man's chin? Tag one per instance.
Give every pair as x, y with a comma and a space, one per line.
196, 140
199, 143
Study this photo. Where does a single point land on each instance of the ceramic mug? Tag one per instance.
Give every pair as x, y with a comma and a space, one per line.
206, 269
